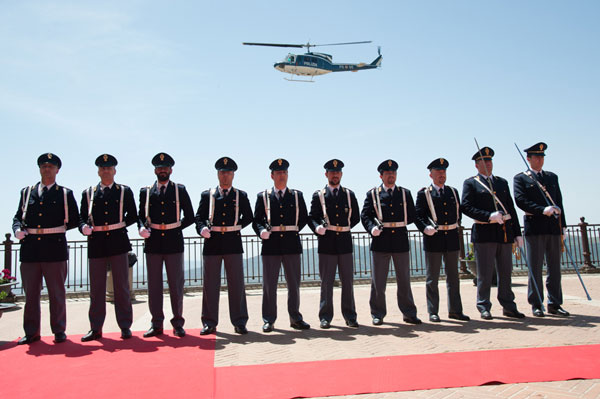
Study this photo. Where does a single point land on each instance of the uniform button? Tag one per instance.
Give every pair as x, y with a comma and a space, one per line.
444, 203
337, 234
281, 235
162, 214
39, 238
393, 231
445, 232
445, 213
225, 205
392, 213
105, 203
223, 213
223, 223
281, 206
222, 233
162, 202
39, 226
337, 224
336, 206
106, 223
41, 202
445, 222
391, 205
162, 234
107, 234
39, 214
106, 213
336, 215
281, 216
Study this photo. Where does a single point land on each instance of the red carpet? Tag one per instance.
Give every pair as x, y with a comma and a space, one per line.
174, 367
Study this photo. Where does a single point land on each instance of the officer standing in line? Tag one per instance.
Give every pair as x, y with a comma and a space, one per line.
279, 215
544, 225
333, 212
46, 211
107, 209
388, 209
223, 212
486, 199
438, 218
161, 225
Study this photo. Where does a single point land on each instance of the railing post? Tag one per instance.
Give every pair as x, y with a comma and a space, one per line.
464, 272
585, 243
8, 253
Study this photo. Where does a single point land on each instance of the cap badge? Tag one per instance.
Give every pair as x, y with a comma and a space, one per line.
487, 151
335, 162
49, 156
279, 161
105, 157
441, 161
162, 157
390, 163
541, 147
225, 160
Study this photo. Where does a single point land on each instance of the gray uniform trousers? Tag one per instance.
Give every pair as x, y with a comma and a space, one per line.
291, 268
236, 291
174, 266
487, 256
379, 274
538, 246
433, 262
327, 267
119, 266
55, 274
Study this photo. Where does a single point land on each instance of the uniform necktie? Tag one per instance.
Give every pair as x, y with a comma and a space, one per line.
44, 191
441, 191
280, 194
105, 191
225, 192
389, 191
163, 189
335, 192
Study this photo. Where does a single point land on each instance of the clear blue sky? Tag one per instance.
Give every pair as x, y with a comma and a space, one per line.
134, 78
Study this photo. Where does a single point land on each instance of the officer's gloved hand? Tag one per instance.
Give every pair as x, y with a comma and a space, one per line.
496, 217
519, 241
375, 231
557, 210
205, 232
320, 230
265, 234
144, 232
20, 234
86, 230
430, 230
549, 211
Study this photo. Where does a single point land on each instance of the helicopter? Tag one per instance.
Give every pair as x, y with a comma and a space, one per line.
313, 64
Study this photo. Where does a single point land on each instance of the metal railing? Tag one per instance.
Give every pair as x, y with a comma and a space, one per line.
582, 239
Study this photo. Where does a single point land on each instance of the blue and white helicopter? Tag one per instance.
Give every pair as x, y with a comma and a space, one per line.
313, 64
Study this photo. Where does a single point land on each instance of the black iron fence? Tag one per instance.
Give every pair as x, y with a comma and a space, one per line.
582, 239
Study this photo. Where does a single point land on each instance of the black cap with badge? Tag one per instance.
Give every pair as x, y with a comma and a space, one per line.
49, 158
225, 164
486, 154
279, 164
334, 165
162, 160
106, 160
537, 149
438, 164
387, 165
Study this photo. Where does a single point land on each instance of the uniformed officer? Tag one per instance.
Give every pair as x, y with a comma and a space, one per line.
333, 213
538, 194
438, 218
106, 210
161, 225
388, 209
279, 215
223, 212
486, 199
46, 210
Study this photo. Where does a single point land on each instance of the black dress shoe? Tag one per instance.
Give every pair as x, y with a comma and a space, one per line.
325, 324
179, 332
300, 325
377, 321
412, 320
459, 316
125, 333
537, 312
241, 330
268, 327
558, 311
208, 330
91, 336
486, 315
352, 323
434, 318
60, 337
515, 314
29, 339
153, 332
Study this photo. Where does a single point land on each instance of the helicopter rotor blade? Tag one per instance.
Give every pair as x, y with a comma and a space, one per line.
275, 45
339, 44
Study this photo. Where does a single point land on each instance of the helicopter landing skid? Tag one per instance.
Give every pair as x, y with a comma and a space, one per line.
299, 80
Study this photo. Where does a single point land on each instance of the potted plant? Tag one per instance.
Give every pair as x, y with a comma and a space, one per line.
6, 283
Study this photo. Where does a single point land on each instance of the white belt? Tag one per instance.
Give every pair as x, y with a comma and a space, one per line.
225, 229
284, 228
50, 230
169, 226
504, 217
338, 228
447, 226
109, 227
394, 224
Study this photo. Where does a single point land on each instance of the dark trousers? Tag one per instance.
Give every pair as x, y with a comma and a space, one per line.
291, 268
238, 310
379, 273
55, 274
433, 262
119, 266
327, 268
174, 266
488, 256
549, 246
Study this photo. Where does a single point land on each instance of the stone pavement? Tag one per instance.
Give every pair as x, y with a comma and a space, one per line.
393, 338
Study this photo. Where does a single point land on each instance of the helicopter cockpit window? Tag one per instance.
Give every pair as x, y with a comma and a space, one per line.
291, 58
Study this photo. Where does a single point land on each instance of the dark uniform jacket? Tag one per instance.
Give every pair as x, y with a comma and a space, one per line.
392, 208
105, 211
163, 210
338, 208
478, 204
221, 243
46, 213
531, 200
282, 213
446, 211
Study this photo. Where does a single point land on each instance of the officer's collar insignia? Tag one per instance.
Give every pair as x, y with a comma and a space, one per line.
335, 163
49, 156
105, 157
162, 157
390, 163
279, 161
487, 151
441, 161
225, 160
